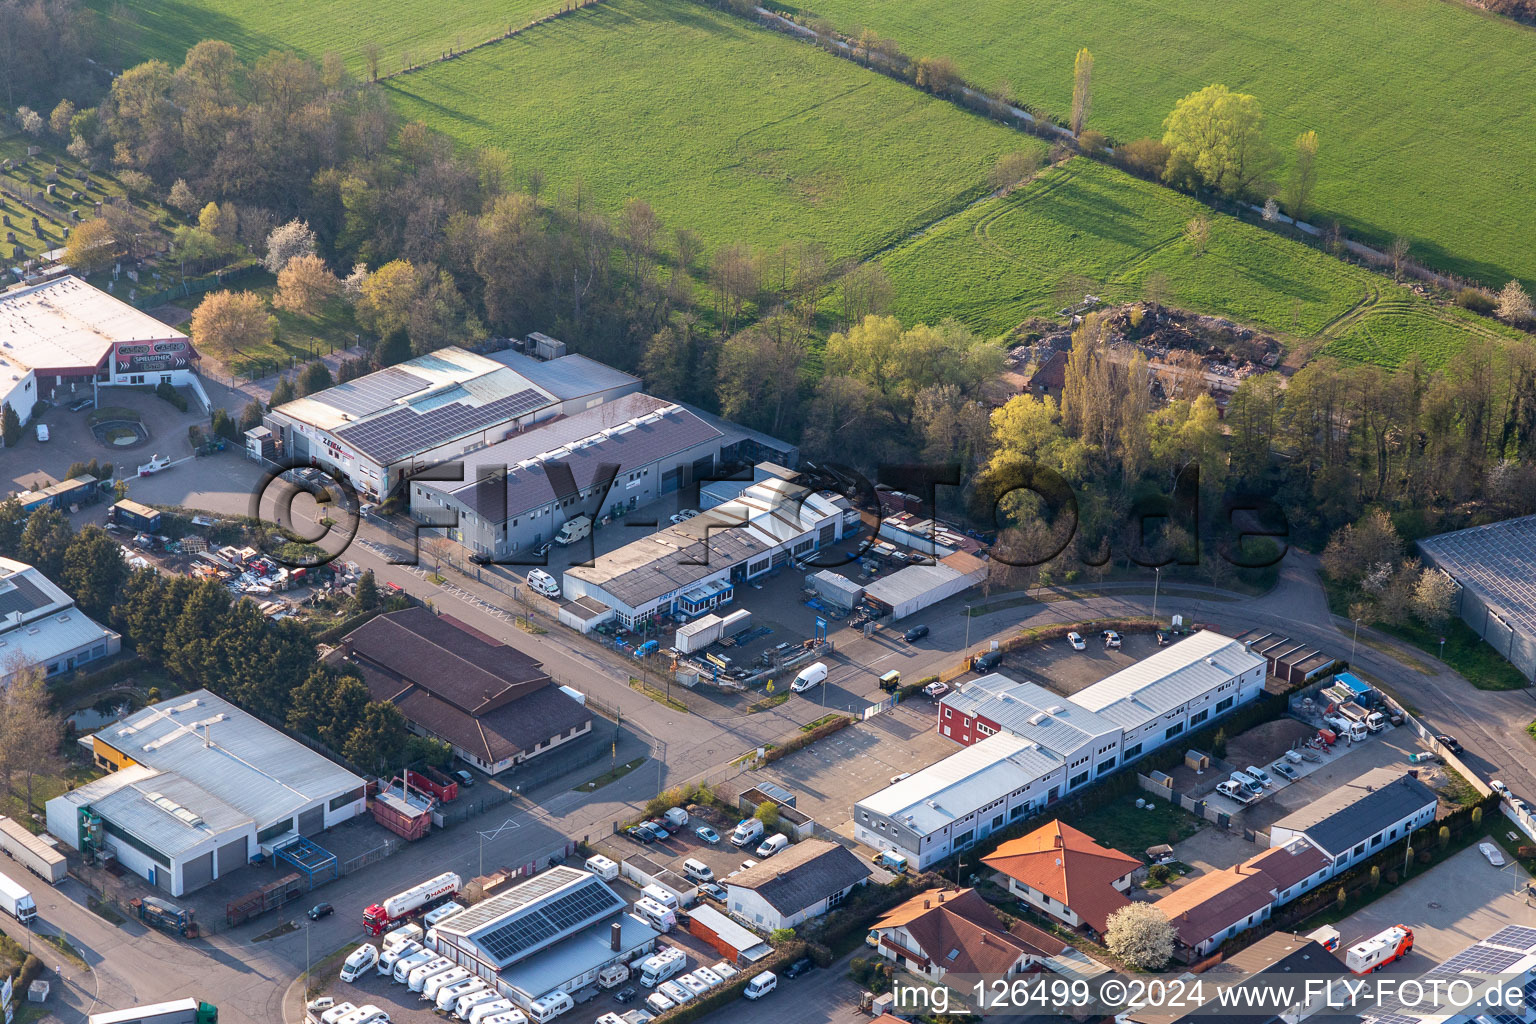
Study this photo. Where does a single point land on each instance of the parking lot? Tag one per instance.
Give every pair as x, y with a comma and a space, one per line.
1448, 907
1055, 664
829, 776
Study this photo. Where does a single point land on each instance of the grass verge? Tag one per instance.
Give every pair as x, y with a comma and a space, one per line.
1465, 651
611, 775
642, 687
769, 702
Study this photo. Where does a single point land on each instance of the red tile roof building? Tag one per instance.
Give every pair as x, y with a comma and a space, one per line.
1064, 872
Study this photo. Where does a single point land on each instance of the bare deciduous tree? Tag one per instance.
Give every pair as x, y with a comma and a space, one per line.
1082, 89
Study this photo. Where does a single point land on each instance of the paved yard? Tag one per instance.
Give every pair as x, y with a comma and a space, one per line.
1448, 907
71, 440
1055, 664
830, 776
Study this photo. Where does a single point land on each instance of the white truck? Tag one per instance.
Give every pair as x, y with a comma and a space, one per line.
1344, 727
1374, 721
33, 852
179, 1011
1379, 950
378, 917
16, 900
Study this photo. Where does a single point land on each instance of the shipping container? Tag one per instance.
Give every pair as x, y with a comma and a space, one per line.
698, 634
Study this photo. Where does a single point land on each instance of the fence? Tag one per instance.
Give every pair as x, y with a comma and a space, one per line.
196, 286
389, 848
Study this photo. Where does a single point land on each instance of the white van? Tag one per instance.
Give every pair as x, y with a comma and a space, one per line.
394, 954
406, 964
557, 1002
442, 913
469, 1000
602, 867
761, 985
660, 895
337, 1012
480, 1011
449, 993
360, 959
747, 831
437, 982
698, 870
419, 976
541, 582
654, 914
813, 674
405, 933
772, 845
574, 530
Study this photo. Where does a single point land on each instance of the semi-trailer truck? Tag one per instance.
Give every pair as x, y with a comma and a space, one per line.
179, 1011
32, 852
378, 918
16, 900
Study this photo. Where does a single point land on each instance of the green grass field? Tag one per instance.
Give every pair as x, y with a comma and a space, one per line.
1419, 137
725, 128
142, 29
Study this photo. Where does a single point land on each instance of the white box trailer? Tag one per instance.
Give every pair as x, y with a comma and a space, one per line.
33, 852
698, 634
734, 623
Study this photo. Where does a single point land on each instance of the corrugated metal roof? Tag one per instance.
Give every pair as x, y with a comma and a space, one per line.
567, 377
1141, 692
905, 584
1032, 712
169, 813
963, 781
247, 764
1498, 561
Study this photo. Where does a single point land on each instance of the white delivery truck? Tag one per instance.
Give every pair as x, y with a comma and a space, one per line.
16, 900
747, 831
32, 852
761, 985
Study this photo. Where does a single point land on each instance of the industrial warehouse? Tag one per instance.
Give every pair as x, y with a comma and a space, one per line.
380, 428
495, 705
1027, 747
694, 567
40, 624
515, 494
65, 338
551, 934
197, 787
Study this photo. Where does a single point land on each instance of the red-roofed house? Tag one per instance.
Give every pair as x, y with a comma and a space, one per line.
940, 931
1063, 872
1216, 906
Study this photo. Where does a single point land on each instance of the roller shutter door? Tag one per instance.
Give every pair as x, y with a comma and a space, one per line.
232, 856
197, 872
312, 821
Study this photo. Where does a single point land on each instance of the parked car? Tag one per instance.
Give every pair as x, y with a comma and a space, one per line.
322, 1003
640, 835
625, 994
658, 828
707, 834
1111, 638
42, 431
1449, 742
1501, 789
713, 891
1492, 853
320, 910
1162, 639
1076, 640
936, 690
1235, 791
987, 661
798, 968
684, 515
1283, 770
82, 405
915, 633
465, 779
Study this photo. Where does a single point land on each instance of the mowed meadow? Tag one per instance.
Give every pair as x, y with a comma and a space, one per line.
139, 30
1425, 109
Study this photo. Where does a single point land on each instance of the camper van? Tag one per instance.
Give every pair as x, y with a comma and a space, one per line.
602, 867
337, 1012
442, 913
660, 895
574, 530
613, 974
813, 674
395, 953
761, 985
747, 831
659, 1002
658, 968
406, 964
541, 582
551, 1006
675, 991
663, 919
361, 958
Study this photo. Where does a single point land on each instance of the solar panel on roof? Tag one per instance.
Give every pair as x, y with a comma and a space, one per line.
1481, 959
1392, 1018
535, 925
373, 392
1515, 937
405, 430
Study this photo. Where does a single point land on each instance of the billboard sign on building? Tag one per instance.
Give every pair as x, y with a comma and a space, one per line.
133, 357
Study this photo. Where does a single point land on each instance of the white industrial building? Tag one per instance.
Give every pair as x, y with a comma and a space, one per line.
198, 787
379, 429
910, 590
554, 932
694, 567
807, 880
1029, 747
65, 338
1354, 821
40, 625
516, 493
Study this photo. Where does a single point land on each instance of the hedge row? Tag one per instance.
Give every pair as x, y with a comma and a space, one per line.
794, 743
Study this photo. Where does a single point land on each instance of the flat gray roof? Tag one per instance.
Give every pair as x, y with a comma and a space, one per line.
1359, 809
567, 377
1498, 562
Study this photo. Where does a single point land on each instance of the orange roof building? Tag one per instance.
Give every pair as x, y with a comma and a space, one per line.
1064, 872
940, 931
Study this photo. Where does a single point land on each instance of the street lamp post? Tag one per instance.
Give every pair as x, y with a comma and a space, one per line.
1353, 643
1442, 648
967, 610
1157, 586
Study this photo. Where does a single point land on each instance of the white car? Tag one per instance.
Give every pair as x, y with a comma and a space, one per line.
685, 515
1492, 853
42, 431
323, 1003
1234, 791
1076, 640
1111, 638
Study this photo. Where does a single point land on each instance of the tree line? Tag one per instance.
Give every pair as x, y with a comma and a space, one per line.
205, 637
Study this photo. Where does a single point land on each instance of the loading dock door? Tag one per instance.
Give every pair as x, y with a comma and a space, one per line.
312, 821
232, 855
197, 872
